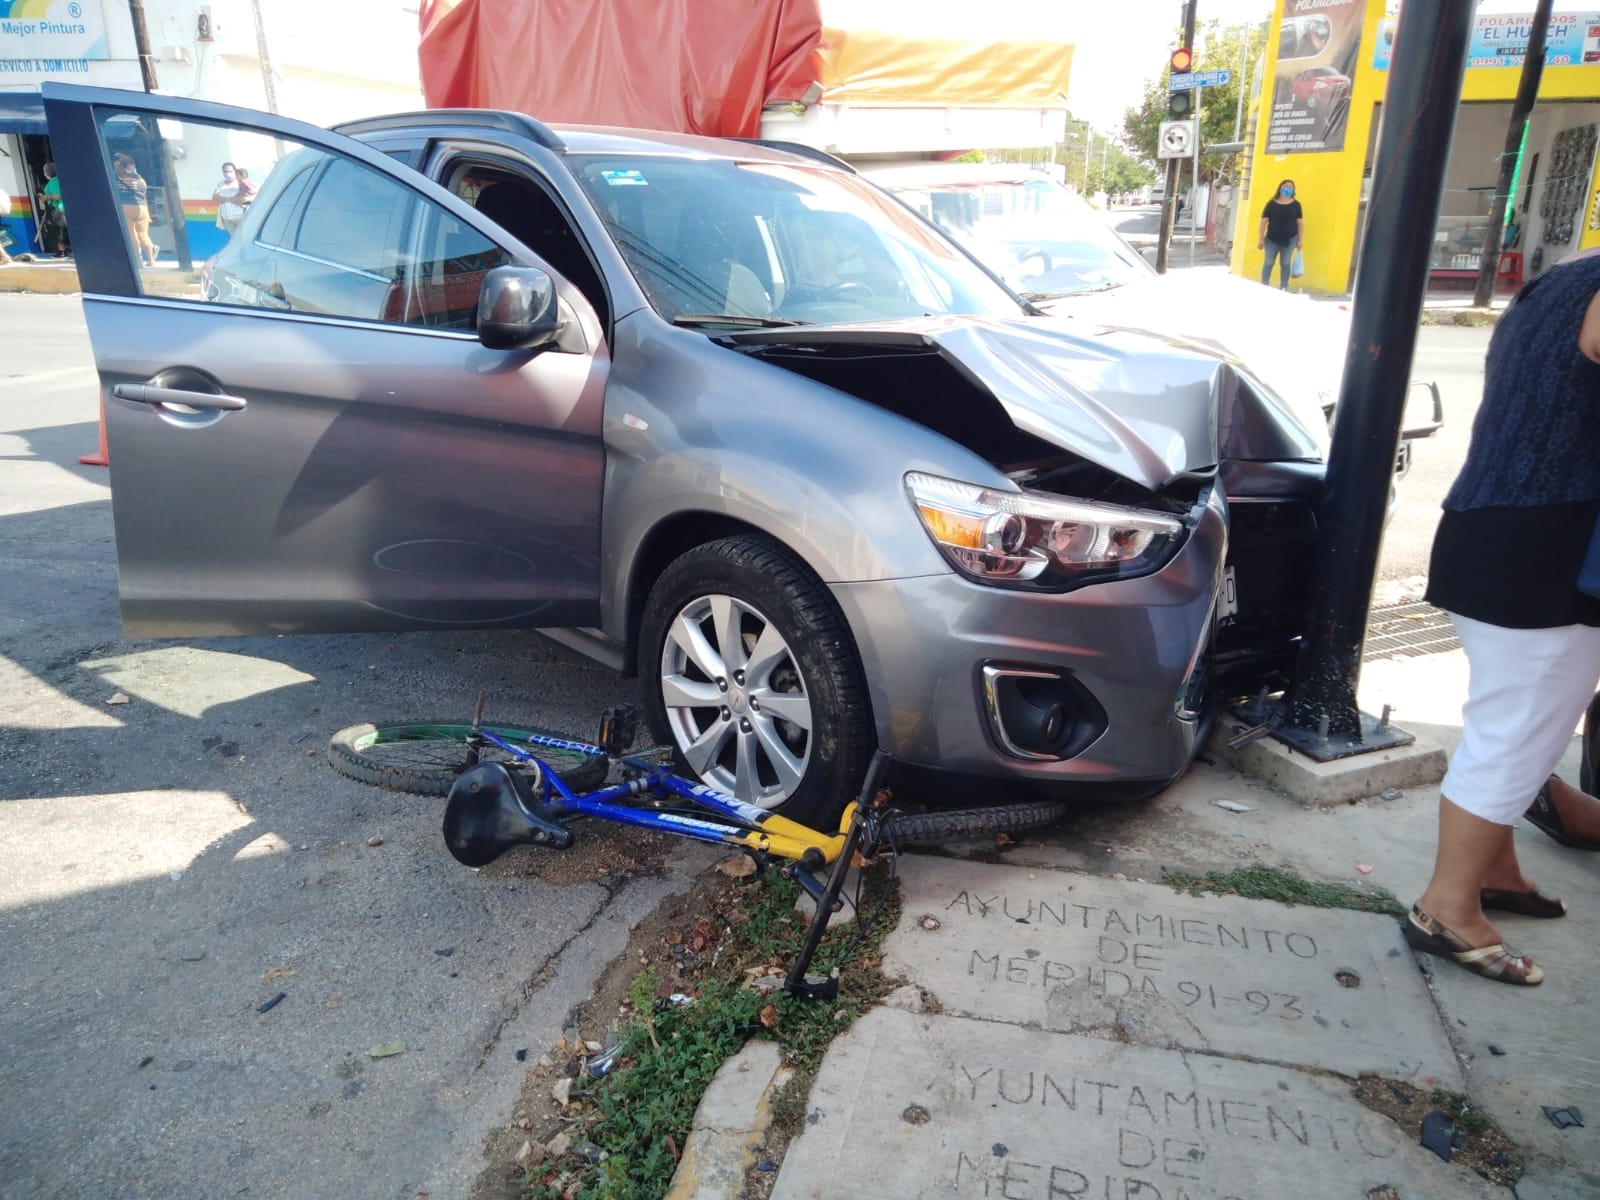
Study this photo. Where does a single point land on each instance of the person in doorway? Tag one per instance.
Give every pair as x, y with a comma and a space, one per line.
1531, 481
53, 237
1282, 224
133, 195
230, 212
5, 233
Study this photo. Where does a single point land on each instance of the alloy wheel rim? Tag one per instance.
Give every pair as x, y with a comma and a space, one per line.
738, 707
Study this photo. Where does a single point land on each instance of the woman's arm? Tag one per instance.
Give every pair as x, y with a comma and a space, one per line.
1299, 230
1589, 331
1261, 241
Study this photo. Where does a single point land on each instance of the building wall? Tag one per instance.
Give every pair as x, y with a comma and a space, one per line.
1329, 183
332, 61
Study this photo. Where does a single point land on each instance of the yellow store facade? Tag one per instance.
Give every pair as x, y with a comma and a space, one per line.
1317, 108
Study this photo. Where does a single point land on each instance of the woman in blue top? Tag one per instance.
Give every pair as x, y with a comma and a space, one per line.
1516, 526
133, 195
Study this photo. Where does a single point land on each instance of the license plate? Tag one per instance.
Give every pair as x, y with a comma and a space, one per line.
1228, 599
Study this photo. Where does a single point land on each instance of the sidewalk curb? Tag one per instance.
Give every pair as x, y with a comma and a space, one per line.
1462, 316
57, 277
730, 1125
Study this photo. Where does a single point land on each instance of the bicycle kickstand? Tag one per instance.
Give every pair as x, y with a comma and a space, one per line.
809, 987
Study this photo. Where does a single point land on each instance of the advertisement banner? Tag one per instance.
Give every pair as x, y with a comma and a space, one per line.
1501, 39
51, 32
1319, 45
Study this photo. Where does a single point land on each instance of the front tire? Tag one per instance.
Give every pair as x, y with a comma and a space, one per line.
751, 675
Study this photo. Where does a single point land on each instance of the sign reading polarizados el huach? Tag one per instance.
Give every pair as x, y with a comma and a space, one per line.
51, 31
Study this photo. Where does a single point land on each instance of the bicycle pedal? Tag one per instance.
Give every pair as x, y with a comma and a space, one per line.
619, 725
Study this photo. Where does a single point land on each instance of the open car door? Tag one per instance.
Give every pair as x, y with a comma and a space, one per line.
306, 432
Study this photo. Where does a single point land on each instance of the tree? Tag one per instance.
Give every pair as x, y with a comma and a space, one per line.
1220, 48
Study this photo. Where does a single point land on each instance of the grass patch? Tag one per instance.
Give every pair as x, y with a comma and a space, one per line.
640, 1113
1286, 887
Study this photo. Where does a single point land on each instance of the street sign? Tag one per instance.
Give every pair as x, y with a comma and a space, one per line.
1176, 139
1199, 79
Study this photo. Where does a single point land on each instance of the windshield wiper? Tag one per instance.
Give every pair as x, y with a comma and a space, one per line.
1099, 287
734, 319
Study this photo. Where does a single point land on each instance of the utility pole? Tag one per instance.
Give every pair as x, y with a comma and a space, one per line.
1169, 203
1424, 89
172, 199
267, 84
1527, 94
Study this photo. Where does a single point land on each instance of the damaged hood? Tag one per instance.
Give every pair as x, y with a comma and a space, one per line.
1136, 406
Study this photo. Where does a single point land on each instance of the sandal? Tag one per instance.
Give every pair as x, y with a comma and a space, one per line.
1498, 962
1542, 814
1525, 904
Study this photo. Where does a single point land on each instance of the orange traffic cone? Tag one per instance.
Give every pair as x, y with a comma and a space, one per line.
98, 459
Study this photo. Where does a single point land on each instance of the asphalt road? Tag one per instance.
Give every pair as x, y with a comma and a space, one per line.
174, 862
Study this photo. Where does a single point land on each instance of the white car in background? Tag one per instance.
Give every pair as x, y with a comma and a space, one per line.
1055, 250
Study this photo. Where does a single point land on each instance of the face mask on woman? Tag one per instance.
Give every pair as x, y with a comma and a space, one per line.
1286, 191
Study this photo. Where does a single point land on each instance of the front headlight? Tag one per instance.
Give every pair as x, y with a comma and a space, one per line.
1033, 540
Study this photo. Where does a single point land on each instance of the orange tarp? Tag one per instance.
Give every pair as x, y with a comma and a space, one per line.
710, 66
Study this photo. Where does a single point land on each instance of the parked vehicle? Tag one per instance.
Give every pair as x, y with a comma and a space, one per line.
726, 417
1318, 86
1051, 247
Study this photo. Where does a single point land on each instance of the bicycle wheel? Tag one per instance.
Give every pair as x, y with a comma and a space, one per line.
932, 828
424, 757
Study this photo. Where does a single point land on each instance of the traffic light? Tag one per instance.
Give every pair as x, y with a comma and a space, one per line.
1180, 99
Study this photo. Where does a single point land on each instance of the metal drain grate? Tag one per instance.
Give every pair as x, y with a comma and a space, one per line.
1409, 630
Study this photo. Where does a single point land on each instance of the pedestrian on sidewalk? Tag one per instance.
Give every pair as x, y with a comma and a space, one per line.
53, 237
230, 209
133, 194
1529, 493
1282, 226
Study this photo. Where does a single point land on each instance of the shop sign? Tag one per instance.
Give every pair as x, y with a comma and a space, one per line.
1501, 39
1319, 46
49, 35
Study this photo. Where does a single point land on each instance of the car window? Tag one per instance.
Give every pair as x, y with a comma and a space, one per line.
764, 240
273, 225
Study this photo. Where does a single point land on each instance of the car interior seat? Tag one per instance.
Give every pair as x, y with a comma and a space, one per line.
533, 218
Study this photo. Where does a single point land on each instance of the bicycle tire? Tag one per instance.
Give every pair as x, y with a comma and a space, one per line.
435, 753
932, 828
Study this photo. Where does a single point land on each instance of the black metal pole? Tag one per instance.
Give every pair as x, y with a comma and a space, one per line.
1527, 93
1169, 202
1419, 118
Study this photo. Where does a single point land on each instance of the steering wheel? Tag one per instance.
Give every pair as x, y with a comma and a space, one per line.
1046, 263
845, 291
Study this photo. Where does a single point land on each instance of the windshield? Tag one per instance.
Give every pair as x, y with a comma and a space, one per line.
1042, 239
779, 244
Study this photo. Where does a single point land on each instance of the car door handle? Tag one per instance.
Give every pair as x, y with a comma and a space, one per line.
146, 393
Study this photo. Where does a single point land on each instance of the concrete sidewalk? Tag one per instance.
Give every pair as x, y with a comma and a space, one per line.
1074, 1028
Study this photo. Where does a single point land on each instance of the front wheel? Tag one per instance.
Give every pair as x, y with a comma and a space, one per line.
751, 675
936, 828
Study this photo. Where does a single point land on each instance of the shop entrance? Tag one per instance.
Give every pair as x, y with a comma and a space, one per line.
1546, 215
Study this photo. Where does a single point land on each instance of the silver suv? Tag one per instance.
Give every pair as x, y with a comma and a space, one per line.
725, 416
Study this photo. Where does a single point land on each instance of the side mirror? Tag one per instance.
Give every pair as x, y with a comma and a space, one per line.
1424, 413
1150, 254
517, 309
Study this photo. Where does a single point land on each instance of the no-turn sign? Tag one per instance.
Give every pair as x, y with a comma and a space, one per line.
1176, 139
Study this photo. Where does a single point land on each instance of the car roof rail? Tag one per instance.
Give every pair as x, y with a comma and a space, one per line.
800, 148
482, 118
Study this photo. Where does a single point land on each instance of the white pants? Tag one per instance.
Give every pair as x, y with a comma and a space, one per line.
1526, 692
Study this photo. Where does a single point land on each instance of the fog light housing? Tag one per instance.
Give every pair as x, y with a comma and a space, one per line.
1039, 714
